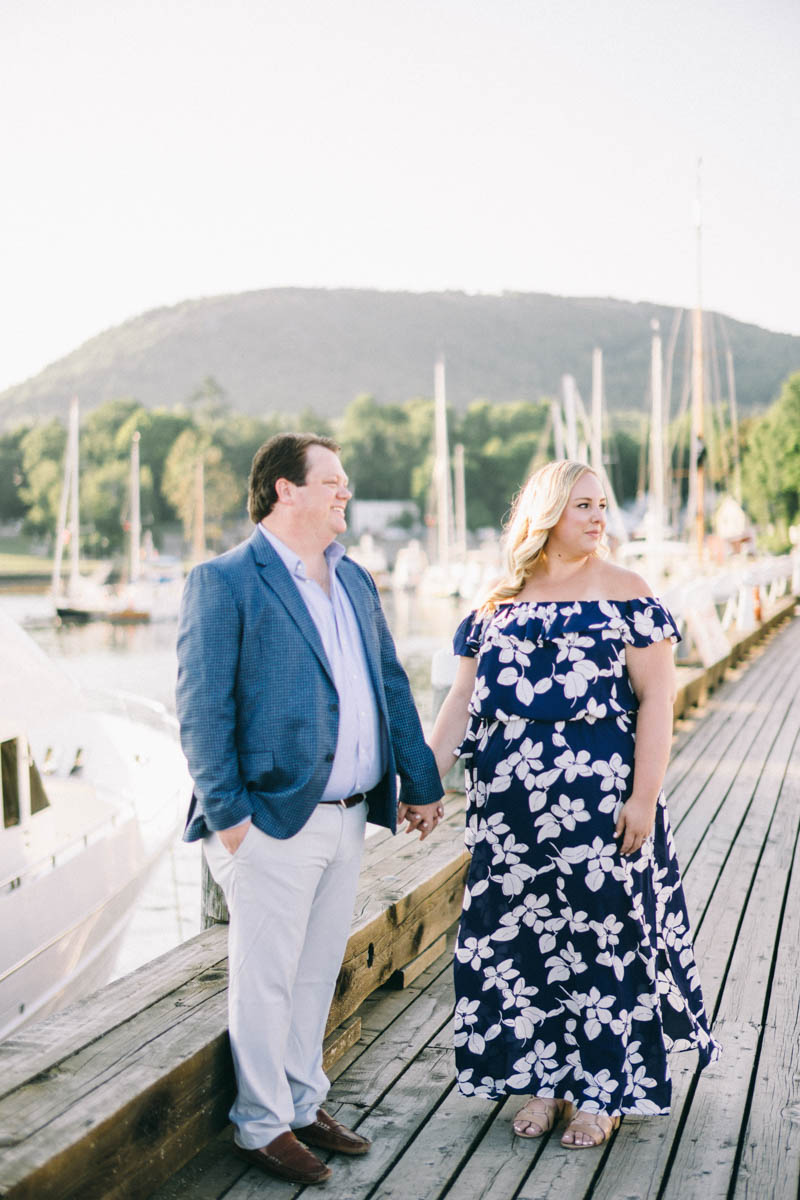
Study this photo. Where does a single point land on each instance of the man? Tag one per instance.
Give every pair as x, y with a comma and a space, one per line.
295, 718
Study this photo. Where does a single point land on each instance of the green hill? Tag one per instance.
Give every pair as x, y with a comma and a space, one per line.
285, 349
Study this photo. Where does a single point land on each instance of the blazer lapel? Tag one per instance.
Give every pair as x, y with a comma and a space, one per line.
363, 604
277, 578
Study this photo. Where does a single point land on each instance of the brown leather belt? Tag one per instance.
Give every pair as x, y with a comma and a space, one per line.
349, 801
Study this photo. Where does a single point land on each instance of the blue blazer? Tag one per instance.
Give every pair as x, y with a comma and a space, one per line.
257, 705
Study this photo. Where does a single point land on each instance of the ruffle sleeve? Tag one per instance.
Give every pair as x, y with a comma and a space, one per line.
467, 638
648, 621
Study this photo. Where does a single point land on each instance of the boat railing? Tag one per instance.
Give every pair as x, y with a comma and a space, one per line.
136, 708
22, 875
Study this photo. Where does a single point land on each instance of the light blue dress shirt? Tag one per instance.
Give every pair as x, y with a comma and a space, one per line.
360, 759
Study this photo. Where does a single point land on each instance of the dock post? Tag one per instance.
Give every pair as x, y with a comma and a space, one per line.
214, 910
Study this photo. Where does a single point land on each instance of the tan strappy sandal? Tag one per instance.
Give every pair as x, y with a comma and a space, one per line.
591, 1124
540, 1114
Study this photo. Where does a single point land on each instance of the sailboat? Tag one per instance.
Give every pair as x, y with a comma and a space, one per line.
81, 599
155, 583
154, 587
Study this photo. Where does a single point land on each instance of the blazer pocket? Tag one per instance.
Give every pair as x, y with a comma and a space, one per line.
255, 769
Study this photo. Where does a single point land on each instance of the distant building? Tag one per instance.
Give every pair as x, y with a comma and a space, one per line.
732, 526
383, 518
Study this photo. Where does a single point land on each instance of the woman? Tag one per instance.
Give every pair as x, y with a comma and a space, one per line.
574, 968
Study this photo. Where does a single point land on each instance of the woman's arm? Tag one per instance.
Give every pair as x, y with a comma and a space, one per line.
448, 733
652, 674
451, 723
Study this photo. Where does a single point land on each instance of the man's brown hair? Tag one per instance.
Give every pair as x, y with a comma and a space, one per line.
282, 457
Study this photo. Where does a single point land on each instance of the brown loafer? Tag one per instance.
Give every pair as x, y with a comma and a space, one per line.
327, 1134
288, 1159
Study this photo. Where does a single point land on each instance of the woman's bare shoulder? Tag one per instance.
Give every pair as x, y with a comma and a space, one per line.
618, 583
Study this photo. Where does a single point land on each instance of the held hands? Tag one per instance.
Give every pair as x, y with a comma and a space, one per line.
635, 824
424, 817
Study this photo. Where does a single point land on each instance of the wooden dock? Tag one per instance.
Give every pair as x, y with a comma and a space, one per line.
96, 1104
734, 790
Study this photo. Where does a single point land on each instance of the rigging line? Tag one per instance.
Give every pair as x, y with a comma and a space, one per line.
681, 430
677, 319
717, 409
671, 504
734, 415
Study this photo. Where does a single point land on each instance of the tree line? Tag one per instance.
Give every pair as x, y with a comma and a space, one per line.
387, 450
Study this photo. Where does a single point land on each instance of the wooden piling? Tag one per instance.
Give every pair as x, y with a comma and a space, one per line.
213, 909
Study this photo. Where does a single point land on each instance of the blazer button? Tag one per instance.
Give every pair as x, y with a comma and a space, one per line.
328, 758
334, 707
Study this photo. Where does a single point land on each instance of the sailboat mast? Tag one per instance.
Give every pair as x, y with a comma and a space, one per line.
570, 415
75, 519
737, 457
62, 511
442, 465
597, 411
656, 437
460, 498
558, 429
698, 440
136, 512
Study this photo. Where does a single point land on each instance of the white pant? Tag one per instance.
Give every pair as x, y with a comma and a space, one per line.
291, 903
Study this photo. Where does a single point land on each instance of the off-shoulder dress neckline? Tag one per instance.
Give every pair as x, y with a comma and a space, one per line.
562, 603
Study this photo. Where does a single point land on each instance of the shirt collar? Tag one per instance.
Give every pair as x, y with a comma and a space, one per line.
293, 562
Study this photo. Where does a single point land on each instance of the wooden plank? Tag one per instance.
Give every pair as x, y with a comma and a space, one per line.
707, 1150
771, 1148
415, 867
561, 1173
441, 1146
342, 1039
106, 1064
739, 714
751, 802
208, 1176
743, 686
723, 804
643, 1148
765, 756
500, 1161
396, 936
37, 1103
42, 1045
167, 1097
390, 1125
752, 666
406, 1027
408, 973
384, 847
374, 1072
109, 1057
703, 1168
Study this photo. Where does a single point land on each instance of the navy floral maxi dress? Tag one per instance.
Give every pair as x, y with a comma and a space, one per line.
574, 967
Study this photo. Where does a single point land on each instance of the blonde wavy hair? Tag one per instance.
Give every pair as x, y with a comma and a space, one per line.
536, 510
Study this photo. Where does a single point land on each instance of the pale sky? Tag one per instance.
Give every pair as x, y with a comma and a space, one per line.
158, 150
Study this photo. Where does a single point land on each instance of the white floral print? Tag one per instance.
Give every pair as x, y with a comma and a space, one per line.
575, 972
